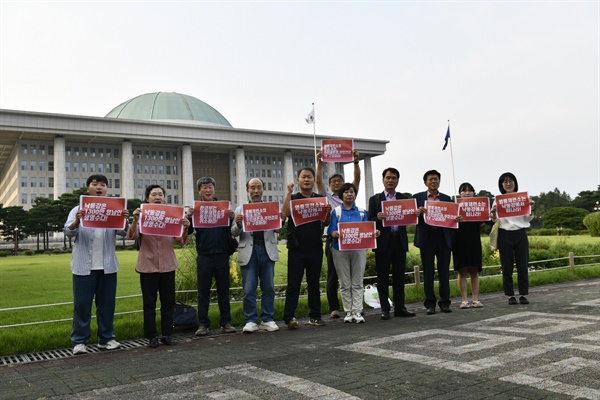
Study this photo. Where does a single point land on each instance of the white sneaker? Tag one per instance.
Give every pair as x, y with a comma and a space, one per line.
270, 326
358, 318
111, 345
79, 349
250, 327
349, 317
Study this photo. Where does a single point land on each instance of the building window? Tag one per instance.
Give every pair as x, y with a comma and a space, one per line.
50, 182
116, 153
32, 149
169, 199
92, 151
147, 154
107, 168
100, 168
161, 169
140, 184
84, 167
146, 169
42, 182
153, 169
161, 156
42, 165
68, 182
168, 184
93, 167
75, 167
32, 181
76, 151
175, 184
154, 155
168, 155
174, 156
23, 198
23, 181
168, 169
147, 182
68, 151
50, 150
42, 149
174, 169
101, 152
32, 165
24, 165
108, 153
50, 166
176, 199
116, 168
75, 182
84, 151
24, 151
138, 168
33, 197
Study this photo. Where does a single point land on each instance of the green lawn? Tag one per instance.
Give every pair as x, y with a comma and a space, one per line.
46, 279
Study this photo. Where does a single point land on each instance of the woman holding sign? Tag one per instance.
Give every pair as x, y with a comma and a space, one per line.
513, 243
156, 265
349, 264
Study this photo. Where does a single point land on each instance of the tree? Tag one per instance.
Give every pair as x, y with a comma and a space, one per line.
485, 193
587, 199
549, 200
45, 218
14, 224
66, 202
565, 217
592, 223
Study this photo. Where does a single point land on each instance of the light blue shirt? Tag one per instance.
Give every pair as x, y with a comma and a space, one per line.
82, 256
354, 214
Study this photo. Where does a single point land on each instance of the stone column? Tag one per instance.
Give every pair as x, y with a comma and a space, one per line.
60, 182
240, 172
368, 178
288, 169
187, 176
127, 178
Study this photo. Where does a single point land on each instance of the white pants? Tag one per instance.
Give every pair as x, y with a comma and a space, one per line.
350, 268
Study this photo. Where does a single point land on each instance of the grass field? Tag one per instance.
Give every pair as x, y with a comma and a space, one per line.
46, 279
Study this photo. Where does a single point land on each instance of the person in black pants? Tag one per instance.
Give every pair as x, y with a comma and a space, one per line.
305, 252
392, 245
212, 246
434, 243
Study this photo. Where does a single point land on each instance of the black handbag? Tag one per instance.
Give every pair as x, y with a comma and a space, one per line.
185, 315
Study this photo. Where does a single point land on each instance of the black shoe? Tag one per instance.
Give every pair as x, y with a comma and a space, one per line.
512, 300
168, 340
153, 342
385, 315
523, 300
445, 309
404, 313
431, 311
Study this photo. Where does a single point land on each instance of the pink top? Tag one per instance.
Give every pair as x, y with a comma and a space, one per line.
156, 253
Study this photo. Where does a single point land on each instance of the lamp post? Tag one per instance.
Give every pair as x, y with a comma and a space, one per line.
597, 206
16, 241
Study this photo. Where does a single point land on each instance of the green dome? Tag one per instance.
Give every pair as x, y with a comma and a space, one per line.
167, 106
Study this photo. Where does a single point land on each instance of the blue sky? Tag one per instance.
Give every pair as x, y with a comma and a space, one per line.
519, 81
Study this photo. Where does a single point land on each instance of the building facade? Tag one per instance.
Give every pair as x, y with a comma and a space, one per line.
161, 138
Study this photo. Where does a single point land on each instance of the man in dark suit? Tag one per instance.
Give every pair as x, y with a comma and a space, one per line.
434, 243
392, 245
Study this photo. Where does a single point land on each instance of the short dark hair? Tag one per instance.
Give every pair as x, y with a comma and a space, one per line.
261, 182
432, 172
344, 188
205, 180
309, 169
503, 177
97, 178
392, 170
467, 186
150, 188
332, 177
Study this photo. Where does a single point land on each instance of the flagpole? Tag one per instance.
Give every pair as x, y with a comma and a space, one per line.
452, 159
314, 133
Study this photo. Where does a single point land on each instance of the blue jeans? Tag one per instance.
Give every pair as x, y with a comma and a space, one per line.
85, 287
260, 267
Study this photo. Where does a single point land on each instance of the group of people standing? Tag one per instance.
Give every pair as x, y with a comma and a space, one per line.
94, 264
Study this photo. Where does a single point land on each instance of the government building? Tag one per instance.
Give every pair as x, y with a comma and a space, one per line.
169, 139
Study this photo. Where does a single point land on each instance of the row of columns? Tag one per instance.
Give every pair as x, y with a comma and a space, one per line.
187, 179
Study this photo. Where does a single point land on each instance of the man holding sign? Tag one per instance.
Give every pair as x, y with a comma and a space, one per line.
257, 254
392, 246
305, 245
433, 242
335, 183
94, 266
212, 247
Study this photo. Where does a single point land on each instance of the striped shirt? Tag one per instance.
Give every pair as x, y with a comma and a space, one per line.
82, 256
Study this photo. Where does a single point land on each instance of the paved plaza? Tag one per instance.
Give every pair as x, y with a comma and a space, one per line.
549, 349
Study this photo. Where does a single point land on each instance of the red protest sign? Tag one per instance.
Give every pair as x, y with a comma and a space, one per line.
512, 204
399, 212
441, 214
211, 214
357, 235
474, 208
308, 210
102, 212
337, 150
161, 220
261, 216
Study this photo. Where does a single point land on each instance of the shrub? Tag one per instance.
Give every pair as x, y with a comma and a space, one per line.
565, 217
592, 223
56, 251
3, 253
29, 252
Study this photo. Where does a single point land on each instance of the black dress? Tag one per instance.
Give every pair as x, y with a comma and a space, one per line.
466, 247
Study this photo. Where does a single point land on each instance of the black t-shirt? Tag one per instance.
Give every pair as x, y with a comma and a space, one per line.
306, 237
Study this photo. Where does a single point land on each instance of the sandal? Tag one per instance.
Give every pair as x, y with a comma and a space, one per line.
465, 304
477, 304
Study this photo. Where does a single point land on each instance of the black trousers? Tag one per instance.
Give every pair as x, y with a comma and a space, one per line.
332, 279
298, 262
514, 248
164, 285
436, 248
207, 266
395, 256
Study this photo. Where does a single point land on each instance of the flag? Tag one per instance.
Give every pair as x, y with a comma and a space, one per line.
310, 118
446, 138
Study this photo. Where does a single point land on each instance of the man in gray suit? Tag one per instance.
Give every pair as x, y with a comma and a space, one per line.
257, 254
